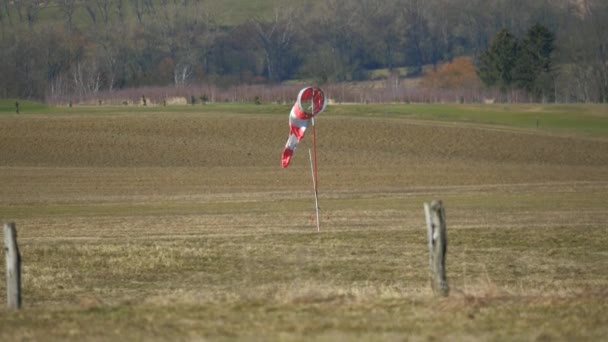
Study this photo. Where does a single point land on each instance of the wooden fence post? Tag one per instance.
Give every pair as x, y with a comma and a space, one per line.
13, 267
438, 243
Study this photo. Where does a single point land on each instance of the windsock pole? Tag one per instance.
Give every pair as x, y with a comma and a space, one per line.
315, 180
314, 185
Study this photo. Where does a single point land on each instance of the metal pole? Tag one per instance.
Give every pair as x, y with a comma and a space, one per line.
314, 185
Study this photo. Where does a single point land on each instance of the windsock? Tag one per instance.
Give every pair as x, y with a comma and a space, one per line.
310, 102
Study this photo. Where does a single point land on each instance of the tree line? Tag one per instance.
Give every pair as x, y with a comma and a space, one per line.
526, 64
75, 48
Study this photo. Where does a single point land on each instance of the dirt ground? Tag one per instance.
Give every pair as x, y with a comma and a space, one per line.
184, 226
207, 154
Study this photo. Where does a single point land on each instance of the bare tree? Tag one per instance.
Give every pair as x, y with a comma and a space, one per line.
68, 7
276, 38
584, 52
91, 10
336, 41
182, 73
417, 30
19, 4
101, 8
104, 7
120, 7
142, 8
27, 10
7, 11
595, 10
86, 77
379, 28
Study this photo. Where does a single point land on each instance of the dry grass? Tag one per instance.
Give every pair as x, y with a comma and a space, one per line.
184, 227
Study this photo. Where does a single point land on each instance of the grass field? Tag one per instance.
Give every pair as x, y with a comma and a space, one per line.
178, 223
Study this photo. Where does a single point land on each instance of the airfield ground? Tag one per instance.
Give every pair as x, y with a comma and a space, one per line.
156, 224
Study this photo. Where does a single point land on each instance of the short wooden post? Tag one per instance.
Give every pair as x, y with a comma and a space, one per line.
438, 243
13, 267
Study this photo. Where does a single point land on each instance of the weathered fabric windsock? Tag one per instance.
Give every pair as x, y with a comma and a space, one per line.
310, 102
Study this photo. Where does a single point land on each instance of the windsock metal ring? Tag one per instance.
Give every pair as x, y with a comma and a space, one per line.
310, 102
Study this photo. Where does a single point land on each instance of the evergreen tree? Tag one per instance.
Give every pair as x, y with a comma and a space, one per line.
533, 71
496, 64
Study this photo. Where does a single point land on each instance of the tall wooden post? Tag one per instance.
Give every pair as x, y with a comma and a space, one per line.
438, 243
13, 267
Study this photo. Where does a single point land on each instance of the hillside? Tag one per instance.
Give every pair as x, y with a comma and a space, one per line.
77, 50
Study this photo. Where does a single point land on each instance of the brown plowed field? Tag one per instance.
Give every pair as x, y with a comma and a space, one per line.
243, 152
241, 141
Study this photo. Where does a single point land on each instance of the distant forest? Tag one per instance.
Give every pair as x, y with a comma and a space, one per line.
59, 49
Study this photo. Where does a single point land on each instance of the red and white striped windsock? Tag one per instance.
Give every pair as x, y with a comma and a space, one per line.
310, 102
